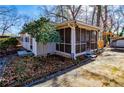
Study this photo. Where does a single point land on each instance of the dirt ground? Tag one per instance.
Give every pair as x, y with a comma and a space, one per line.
106, 70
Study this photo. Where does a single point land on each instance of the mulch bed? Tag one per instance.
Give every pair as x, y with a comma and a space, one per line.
9, 51
23, 70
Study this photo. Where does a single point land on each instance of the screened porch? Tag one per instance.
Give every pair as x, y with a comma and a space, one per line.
76, 40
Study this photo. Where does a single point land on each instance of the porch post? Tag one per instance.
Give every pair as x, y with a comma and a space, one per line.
97, 37
73, 43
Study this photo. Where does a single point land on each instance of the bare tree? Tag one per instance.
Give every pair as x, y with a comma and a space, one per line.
74, 10
63, 12
104, 17
93, 15
9, 19
122, 10
98, 15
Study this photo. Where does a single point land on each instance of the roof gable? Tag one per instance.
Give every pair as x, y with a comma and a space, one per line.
76, 23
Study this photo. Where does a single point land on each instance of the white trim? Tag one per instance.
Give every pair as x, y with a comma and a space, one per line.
79, 23
34, 46
79, 54
73, 42
64, 54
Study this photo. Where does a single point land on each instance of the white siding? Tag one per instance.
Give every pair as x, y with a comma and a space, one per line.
38, 48
120, 43
25, 44
34, 46
45, 49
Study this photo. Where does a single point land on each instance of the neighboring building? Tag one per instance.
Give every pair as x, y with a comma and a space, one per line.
76, 38
4, 36
118, 43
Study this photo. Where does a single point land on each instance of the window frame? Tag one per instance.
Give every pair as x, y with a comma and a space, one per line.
64, 43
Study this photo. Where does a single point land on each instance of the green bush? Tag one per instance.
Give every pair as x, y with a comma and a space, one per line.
5, 43
11, 42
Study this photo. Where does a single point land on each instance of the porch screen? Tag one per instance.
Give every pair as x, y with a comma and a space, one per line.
93, 39
65, 43
80, 40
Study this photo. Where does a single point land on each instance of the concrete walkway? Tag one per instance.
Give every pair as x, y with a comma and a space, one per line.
106, 70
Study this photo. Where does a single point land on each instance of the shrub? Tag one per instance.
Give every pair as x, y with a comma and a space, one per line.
7, 43
11, 42
3, 44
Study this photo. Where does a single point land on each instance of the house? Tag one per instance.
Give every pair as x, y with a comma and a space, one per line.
76, 38
4, 36
118, 43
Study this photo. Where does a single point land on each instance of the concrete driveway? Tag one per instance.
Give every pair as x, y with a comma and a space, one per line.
106, 70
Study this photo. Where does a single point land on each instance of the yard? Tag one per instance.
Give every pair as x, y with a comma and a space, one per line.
106, 70
22, 71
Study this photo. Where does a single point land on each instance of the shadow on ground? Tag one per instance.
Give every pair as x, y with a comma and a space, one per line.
117, 50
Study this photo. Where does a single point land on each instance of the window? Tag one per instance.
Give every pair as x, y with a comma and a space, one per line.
26, 39
61, 35
67, 48
93, 36
87, 36
77, 48
65, 44
95, 46
83, 47
92, 46
93, 40
83, 36
57, 47
67, 35
77, 35
62, 47
80, 40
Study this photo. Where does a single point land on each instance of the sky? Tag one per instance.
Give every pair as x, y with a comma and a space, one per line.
31, 11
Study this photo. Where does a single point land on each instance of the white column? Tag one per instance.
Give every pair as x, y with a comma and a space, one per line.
73, 42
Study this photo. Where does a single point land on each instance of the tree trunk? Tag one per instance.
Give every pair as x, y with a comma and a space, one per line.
98, 15
3, 32
105, 38
62, 19
93, 15
106, 17
86, 16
